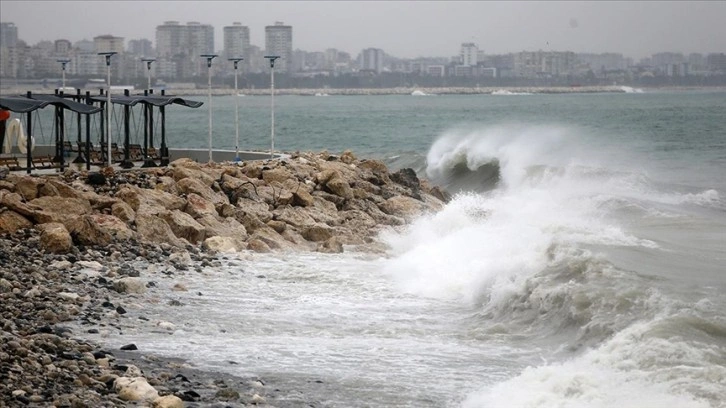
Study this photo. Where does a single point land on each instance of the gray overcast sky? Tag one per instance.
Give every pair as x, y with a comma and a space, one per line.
404, 29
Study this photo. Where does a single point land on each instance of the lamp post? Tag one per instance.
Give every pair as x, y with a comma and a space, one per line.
148, 62
108, 56
63, 62
209, 58
272, 59
236, 61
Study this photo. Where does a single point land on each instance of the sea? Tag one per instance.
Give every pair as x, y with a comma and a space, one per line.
580, 263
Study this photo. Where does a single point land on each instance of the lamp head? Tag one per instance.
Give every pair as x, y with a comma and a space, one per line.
108, 55
272, 59
209, 58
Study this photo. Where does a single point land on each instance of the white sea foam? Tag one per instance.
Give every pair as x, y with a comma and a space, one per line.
644, 365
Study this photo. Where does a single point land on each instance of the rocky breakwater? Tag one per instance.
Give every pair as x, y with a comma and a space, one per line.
73, 246
316, 202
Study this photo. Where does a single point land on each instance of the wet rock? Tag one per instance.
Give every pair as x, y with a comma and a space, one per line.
134, 389
129, 285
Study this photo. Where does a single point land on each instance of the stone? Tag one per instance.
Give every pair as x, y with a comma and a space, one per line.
54, 237
26, 186
258, 246
279, 175
197, 206
11, 221
62, 207
129, 285
190, 185
168, 401
295, 216
407, 178
96, 179
86, 231
227, 227
347, 157
123, 211
259, 209
151, 228
317, 232
221, 244
302, 198
134, 389
331, 246
227, 394
402, 206
184, 226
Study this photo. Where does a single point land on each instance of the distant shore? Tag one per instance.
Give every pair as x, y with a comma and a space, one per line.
404, 90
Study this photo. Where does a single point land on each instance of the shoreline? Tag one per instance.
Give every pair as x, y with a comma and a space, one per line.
400, 90
78, 249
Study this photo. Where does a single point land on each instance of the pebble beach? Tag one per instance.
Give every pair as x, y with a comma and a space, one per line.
79, 249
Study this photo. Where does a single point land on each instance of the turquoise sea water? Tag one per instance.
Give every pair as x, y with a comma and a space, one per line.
581, 263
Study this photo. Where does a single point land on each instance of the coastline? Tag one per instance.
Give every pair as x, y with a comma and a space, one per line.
401, 90
82, 256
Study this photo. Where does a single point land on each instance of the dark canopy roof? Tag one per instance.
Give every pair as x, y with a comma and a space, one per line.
67, 103
156, 100
20, 104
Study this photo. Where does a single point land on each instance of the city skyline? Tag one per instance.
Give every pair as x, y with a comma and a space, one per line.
403, 29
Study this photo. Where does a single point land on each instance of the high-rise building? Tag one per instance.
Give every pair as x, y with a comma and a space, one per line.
278, 41
169, 39
236, 40
182, 45
8, 35
108, 43
141, 47
237, 43
469, 54
8, 50
371, 59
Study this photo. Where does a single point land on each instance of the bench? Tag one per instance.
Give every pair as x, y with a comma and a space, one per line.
44, 162
10, 162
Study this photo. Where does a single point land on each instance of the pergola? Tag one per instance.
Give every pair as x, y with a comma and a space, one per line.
29, 103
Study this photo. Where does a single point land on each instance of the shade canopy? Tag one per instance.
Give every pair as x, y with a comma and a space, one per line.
21, 104
156, 100
66, 103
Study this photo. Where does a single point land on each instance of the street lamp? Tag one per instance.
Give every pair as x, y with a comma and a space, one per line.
272, 59
108, 55
63, 62
148, 62
209, 58
236, 61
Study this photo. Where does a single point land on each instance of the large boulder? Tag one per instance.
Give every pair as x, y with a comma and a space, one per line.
190, 185
317, 232
402, 206
26, 186
260, 210
151, 228
184, 226
10, 221
197, 206
279, 175
295, 216
54, 237
227, 227
124, 212
223, 244
150, 201
135, 389
85, 230
61, 206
